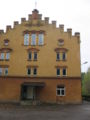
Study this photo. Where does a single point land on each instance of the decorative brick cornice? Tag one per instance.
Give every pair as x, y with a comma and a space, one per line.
33, 31
61, 49
58, 66
5, 50
31, 66
33, 50
4, 66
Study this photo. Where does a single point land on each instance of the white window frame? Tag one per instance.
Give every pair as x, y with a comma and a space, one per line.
26, 39
2, 56
1, 71
29, 53
62, 71
41, 39
30, 71
36, 71
5, 69
7, 56
56, 56
56, 71
60, 89
33, 39
65, 56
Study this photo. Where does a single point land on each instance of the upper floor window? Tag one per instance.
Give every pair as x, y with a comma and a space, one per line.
63, 56
7, 56
29, 71
58, 56
35, 55
2, 56
35, 71
0, 71
58, 71
40, 39
29, 56
33, 39
6, 71
64, 72
26, 39
60, 90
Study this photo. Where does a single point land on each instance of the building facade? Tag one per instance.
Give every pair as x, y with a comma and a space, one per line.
39, 62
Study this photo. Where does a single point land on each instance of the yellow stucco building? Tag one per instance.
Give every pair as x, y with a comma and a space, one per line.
39, 62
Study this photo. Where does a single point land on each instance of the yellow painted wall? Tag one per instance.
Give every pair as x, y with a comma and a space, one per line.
46, 56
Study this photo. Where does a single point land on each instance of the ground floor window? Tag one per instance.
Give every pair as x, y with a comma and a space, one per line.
60, 90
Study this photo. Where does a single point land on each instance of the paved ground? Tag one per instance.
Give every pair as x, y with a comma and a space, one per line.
50, 112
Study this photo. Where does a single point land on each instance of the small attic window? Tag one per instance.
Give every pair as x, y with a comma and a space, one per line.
6, 41
60, 42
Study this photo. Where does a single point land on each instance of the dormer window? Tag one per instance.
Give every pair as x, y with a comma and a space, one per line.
6, 41
60, 42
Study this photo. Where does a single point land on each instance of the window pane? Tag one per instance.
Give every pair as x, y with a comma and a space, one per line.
6, 71
2, 56
33, 39
30, 56
58, 56
35, 56
64, 56
34, 71
26, 39
62, 92
7, 56
29, 71
0, 71
64, 71
41, 39
58, 71
58, 92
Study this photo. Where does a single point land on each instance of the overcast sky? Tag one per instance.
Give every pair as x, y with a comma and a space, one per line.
73, 14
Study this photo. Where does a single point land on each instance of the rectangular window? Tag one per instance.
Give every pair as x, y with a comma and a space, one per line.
26, 39
60, 90
33, 39
64, 72
7, 56
6, 43
29, 71
29, 56
35, 56
58, 71
64, 56
6, 71
35, 71
2, 56
40, 39
0, 71
58, 56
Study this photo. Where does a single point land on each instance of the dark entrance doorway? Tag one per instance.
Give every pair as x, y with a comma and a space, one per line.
29, 90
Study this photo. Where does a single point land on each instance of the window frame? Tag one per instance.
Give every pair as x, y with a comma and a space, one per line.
34, 72
60, 89
7, 57
1, 71
40, 39
35, 56
64, 56
26, 40
58, 71
33, 39
5, 71
57, 56
63, 71
29, 55
2, 56
29, 71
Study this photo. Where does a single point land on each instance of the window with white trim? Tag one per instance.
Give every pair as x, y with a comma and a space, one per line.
6, 71
29, 56
0, 71
40, 39
33, 39
35, 55
58, 71
7, 56
60, 90
28, 71
63, 56
26, 39
2, 56
58, 56
34, 71
64, 72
